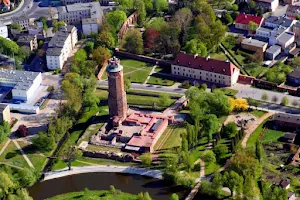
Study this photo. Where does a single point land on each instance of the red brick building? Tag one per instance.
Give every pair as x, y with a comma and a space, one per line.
287, 120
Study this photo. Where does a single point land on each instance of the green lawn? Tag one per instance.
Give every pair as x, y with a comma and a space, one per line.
174, 139
12, 156
255, 135
272, 136
219, 56
228, 91
255, 70
91, 130
100, 195
61, 165
102, 161
211, 168
238, 57
258, 113
102, 148
160, 81
134, 70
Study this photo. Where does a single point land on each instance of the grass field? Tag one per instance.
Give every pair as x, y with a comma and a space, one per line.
100, 195
272, 136
169, 141
160, 81
12, 156
219, 56
258, 113
228, 91
255, 135
134, 70
255, 70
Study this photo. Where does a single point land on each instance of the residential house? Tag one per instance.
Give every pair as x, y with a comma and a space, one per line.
90, 25
61, 46
23, 21
37, 29
4, 113
275, 22
296, 29
74, 13
292, 11
285, 183
3, 31
29, 41
272, 52
271, 5
286, 39
291, 196
254, 45
242, 21
287, 120
294, 77
205, 69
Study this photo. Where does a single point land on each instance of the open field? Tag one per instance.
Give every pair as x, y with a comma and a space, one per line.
157, 80
13, 156
272, 136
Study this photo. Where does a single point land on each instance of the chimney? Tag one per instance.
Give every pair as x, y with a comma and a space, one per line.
227, 60
250, 38
195, 56
207, 58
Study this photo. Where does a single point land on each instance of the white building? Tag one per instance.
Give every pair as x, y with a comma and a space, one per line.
60, 47
205, 69
74, 13
286, 39
263, 32
3, 31
90, 25
24, 84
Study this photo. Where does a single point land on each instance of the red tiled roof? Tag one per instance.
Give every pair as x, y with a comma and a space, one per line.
202, 63
245, 19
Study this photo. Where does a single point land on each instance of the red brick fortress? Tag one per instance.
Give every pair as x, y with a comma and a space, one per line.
117, 102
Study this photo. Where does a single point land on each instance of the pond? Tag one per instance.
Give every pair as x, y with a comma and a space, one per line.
158, 189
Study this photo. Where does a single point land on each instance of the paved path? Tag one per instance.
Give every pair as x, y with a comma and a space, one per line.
5, 145
152, 72
196, 188
23, 154
104, 168
252, 128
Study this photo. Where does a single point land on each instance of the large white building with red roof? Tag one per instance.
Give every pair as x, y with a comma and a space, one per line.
242, 21
205, 69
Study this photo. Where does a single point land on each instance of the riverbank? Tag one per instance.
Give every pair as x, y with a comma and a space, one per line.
103, 168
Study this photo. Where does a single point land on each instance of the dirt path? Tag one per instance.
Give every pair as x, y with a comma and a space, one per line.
196, 188
252, 128
152, 72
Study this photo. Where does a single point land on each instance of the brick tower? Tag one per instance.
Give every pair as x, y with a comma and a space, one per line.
117, 102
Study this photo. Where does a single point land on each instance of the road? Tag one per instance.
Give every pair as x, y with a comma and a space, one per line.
244, 92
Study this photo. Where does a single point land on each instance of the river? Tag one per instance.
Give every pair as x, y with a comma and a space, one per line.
158, 189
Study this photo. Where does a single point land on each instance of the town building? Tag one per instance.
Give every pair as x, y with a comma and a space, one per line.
23, 21
90, 25
271, 5
285, 183
292, 11
242, 21
61, 46
275, 22
272, 52
22, 84
37, 29
285, 39
117, 102
263, 32
3, 31
294, 77
296, 29
287, 120
4, 113
254, 45
205, 69
28, 40
74, 13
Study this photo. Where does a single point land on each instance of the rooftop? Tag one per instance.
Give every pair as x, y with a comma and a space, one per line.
2, 106
273, 49
246, 18
280, 21
94, 7
289, 118
295, 73
264, 29
253, 42
58, 40
206, 64
285, 37
26, 38
54, 51
89, 21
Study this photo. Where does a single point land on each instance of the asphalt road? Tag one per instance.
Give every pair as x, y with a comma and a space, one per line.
243, 93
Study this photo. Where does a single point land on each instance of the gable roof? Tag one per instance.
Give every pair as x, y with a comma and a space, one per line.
206, 64
288, 118
246, 18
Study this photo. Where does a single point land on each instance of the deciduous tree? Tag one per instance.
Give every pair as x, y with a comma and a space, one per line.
70, 155
133, 41
101, 55
146, 159
115, 19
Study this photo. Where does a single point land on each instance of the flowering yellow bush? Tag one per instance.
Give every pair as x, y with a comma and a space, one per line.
238, 104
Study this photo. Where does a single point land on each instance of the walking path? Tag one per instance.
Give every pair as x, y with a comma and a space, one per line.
148, 77
23, 154
196, 188
104, 168
252, 128
4, 147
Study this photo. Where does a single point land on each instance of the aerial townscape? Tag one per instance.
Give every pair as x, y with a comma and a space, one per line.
149, 99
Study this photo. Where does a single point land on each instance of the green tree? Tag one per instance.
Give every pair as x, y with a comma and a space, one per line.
116, 18
144, 196
164, 99
188, 161
258, 150
24, 52
250, 190
70, 155
220, 150
43, 142
274, 99
27, 177
297, 17
252, 26
208, 156
252, 4
127, 84
105, 38
157, 23
296, 62
141, 9
228, 18
174, 196
89, 46
264, 97
284, 101
8, 47
146, 159
235, 7
133, 41
232, 180
230, 130
184, 144
16, 26
210, 125
89, 98
100, 55
125, 5
195, 47
57, 24
21, 194
253, 102
80, 56
6, 184
161, 5
4, 130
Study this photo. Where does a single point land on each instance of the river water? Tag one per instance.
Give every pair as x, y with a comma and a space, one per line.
158, 189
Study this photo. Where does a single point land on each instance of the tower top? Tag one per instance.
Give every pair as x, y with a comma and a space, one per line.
114, 65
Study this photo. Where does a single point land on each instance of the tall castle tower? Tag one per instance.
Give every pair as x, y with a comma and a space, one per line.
117, 102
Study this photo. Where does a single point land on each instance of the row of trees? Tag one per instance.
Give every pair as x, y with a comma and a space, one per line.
4, 130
